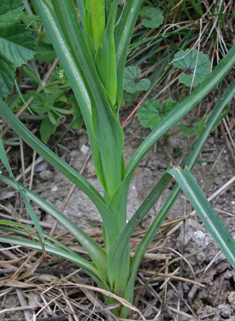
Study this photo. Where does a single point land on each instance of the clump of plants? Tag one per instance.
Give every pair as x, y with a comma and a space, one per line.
92, 47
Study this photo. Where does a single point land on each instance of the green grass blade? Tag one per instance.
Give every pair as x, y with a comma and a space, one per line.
205, 211
119, 199
228, 95
30, 210
119, 251
88, 267
49, 240
70, 65
109, 220
124, 32
95, 21
183, 108
94, 250
106, 59
107, 135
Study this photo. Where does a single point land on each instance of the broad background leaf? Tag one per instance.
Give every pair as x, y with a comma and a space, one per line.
16, 44
132, 83
154, 17
188, 60
10, 10
150, 113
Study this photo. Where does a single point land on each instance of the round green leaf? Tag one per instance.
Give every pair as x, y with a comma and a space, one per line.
132, 83
154, 17
188, 61
150, 113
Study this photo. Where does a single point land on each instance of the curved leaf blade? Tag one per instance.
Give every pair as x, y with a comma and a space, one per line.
196, 149
88, 267
119, 199
205, 211
184, 107
108, 218
94, 250
123, 36
30, 210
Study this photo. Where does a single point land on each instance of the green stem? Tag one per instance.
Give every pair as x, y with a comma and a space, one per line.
197, 8
186, 10
181, 94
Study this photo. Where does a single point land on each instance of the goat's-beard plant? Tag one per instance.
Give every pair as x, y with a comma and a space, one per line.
93, 54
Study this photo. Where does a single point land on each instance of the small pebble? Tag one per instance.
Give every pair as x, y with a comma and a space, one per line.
225, 310
84, 149
46, 175
35, 298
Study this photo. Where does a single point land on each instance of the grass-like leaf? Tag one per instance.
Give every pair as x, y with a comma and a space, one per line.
84, 264
205, 211
196, 149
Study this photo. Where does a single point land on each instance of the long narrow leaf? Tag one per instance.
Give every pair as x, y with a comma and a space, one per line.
94, 250
122, 40
109, 220
49, 240
205, 211
228, 95
31, 212
88, 267
119, 251
119, 199
183, 108
45, 10
106, 128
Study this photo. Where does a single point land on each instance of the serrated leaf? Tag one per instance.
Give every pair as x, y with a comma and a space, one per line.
10, 10
190, 130
7, 72
132, 83
47, 129
16, 44
188, 61
154, 17
16, 47
150, 113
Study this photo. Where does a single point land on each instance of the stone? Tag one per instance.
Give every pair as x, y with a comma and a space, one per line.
225, 310
46, 175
